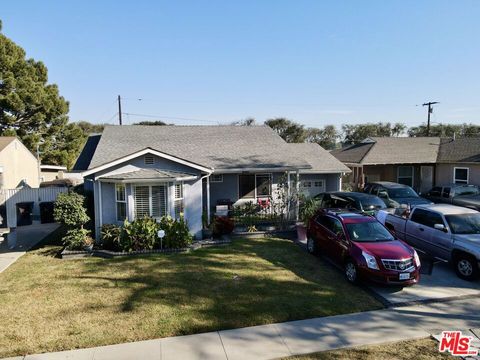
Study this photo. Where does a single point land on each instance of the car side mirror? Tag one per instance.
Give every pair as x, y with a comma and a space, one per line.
440, 227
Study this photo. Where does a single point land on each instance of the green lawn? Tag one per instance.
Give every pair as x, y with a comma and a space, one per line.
48, 304
422, 349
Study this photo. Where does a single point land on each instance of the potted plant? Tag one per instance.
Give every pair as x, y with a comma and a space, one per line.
308, 207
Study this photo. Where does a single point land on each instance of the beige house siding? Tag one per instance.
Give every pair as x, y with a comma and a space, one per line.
444, 173
49, 175
18, 164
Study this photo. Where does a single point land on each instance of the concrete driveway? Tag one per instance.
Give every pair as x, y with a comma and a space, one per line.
24, 238
438, 281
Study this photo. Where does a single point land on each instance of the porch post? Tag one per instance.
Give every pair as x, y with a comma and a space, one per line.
297, 207
208, 200
288, 193
340, 182
130, 203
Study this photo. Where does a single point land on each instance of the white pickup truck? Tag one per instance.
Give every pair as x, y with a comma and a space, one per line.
448, 232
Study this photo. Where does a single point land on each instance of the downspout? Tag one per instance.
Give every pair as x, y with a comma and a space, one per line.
208, 195
297, 207
100, 218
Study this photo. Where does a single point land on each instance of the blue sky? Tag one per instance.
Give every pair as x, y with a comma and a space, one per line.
315, 62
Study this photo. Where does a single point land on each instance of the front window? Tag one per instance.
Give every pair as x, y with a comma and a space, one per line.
464, 223
150, 201
254, 185
178, 202
121, 202
405, 175
369, 231
460, 175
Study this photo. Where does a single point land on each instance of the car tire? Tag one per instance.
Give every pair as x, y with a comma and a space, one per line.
466, 266
312, 248
351, 272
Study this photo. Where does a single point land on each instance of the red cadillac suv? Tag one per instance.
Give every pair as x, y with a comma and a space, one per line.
363, 246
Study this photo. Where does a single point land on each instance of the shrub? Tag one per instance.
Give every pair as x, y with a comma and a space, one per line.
141, 234
77, 239
222, 226
111, 237
177, 234
69, 210
308, 208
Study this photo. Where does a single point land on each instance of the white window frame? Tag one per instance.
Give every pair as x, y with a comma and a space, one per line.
218, 180
455, 181
124, 201
306, 184
405, 177
150, 199
321, 183
256, 194
175, 198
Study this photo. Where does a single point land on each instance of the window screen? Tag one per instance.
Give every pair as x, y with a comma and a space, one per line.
246, 186
142, 201
461, 175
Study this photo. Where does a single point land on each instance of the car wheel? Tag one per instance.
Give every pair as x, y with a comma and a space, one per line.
351, 272
466, 267
311, 246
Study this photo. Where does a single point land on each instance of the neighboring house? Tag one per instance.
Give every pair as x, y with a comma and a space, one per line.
158, 170
406, 160
51, 172
458, 162
18, 166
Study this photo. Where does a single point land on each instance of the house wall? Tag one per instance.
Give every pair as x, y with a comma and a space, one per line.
48, 175
390, 173
444, 173
18, 163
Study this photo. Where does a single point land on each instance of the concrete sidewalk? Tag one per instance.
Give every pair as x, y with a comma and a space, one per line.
296, 337
26, 238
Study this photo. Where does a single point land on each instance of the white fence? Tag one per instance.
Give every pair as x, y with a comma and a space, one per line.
11, 197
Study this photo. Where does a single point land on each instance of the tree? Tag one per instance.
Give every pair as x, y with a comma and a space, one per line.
88, 128
29, 107
69, 210
151, 123
289, 130
245, 122
353, 134
446, 130
326, 137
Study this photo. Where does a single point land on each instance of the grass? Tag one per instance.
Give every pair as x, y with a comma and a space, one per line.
48, 304
422, 349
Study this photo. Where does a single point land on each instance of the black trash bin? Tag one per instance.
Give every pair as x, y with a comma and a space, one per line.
46, 212
24, 213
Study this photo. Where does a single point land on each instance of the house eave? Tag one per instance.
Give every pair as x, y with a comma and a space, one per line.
266, 169
152, 180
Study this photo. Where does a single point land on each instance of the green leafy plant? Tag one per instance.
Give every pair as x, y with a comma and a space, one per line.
177, 234
308, 207
141, 234
77, 239
111, 236
69, 210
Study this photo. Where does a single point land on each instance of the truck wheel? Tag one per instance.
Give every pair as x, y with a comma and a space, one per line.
351, 272
466, 266
312, 248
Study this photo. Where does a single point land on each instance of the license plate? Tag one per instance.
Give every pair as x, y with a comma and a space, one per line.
404, 276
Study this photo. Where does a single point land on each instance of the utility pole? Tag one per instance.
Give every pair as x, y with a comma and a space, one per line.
120, 110
430, 110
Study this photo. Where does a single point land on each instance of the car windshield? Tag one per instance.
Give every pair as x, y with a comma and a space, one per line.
466, 190
373, 203
464, 223
402, 193
369, 231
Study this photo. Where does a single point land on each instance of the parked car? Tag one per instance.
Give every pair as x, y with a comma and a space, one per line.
394, 194
447, 232
456, 194
365, 203
363, 246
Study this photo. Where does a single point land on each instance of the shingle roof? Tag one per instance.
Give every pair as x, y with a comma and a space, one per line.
148, 174
391, 150
459, 150
319, 159
218, 147
83, 160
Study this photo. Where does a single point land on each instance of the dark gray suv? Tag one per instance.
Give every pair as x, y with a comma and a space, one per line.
394, 194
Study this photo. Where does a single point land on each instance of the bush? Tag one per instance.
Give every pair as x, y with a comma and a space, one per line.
111, 236
222, 226
141, 234
77, 239
177, 234
69, 210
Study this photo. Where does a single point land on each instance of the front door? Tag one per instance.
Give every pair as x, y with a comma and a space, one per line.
426, 178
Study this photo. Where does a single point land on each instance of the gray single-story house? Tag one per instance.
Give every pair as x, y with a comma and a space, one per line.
135, 171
